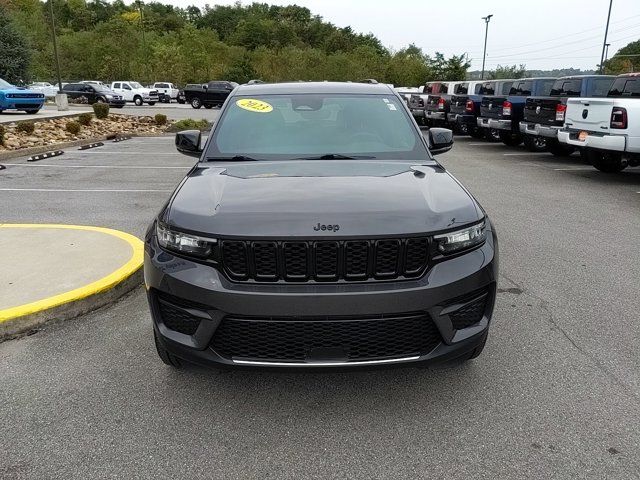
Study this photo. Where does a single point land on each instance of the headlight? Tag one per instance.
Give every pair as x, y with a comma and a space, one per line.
185, 243
108, 95
469, 237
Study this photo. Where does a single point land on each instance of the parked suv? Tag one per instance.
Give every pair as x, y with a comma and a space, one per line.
607, 129
134, 92
318, 231
92, 93
544, 116
504, 112
209, 95
168, 91
19, 98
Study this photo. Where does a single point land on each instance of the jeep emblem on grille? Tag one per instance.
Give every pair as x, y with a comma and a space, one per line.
331, 228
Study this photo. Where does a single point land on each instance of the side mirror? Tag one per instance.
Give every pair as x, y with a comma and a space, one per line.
440, 140
188, 142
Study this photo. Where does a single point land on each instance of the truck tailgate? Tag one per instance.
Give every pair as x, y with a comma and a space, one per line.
491, 106
542, 110
459, 104
592, 114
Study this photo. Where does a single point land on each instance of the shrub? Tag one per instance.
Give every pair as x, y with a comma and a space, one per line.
2, 131
190, 124
26, 126
85, 119
73, 128
161, 119
101, 110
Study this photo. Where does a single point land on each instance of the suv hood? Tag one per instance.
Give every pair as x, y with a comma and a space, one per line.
289, 199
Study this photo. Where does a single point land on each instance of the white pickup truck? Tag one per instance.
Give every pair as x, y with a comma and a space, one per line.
168, 90
607, 129
134, 92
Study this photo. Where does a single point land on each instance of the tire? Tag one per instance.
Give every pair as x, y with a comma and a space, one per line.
138, 100
510, 139
476, 132
208, 107
462, 129
151, 103
606, 161
491, 134
196, 103
101, 100
560, 149
180, 101
165, 356
535, 144
31, 111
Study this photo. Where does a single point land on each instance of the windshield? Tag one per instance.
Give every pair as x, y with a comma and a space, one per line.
135, 85
4, 84
310, 125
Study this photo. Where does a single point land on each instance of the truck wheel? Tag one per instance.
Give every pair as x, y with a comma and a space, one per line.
208, 106
101, 100
560, 150
30, 111
138, 100
462, 128
476, 132
510, 139
196, 103
164, 355
606, 161
535, 143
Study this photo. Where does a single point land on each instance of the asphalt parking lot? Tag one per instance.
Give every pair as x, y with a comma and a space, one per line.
556, 393
175, 111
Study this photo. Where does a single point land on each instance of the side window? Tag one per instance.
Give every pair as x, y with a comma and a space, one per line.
631, 88
477, 88
461, 89
428, 89
506, 88
521, 88
599, 87
116, 85
126, 86
487, 88
544, 87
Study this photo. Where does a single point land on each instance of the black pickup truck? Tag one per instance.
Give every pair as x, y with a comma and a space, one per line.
418, 101
544, 116
490, 88
209, 95
465, 107
438, 104
504, 112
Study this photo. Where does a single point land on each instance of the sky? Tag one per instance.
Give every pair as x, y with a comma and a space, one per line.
550, 34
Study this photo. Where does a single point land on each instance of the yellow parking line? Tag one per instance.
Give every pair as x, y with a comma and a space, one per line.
105, 283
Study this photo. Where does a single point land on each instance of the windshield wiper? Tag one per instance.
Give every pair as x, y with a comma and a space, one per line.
336, 156
235, 158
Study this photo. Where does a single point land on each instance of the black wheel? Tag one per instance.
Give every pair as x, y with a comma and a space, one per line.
535, 144
560, 149
165, 356
492, 134
606, 161
138, 100
510, 139
151, 103
476, 132
208, 106
462, 128
31, 111
180, 101
196, 103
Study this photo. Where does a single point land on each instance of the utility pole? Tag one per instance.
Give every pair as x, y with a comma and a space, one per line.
486, 19
604, 43
144, 42
606, 52
55, 45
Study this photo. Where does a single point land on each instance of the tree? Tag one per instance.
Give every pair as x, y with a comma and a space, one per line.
513, 71
14, 51
627, 59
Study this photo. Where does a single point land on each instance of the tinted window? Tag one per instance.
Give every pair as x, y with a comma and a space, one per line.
116, 85
72, 87
300, 125
162, 85
599, 87
429, 88
566, 88
487, 89
506, 87
544, 87
625, 87
461, 89
521, 88
477, 88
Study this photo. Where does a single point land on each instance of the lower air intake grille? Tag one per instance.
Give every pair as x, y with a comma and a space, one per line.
470, 314
175, 317
302, 339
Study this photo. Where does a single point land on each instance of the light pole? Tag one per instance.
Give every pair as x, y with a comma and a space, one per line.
61, 98
606, 32
606, 51
486, 19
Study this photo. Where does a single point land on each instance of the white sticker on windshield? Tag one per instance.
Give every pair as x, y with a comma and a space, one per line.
385, 100
391, 106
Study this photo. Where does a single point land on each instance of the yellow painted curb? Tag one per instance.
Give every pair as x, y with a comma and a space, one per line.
101, 285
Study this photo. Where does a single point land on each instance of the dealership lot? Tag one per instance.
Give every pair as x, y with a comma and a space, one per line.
556, 391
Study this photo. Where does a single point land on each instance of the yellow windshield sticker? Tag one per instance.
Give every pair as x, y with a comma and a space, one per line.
254, 105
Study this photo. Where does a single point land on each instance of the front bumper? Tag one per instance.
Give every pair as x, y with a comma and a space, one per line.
21, 103
431, 295
418, 112
597, 140
495, 123
441, 116
117, 103
539, 130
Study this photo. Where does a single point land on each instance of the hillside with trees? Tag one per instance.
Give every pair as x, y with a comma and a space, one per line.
105, 40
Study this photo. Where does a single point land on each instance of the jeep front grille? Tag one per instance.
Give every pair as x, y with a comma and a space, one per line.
325, 260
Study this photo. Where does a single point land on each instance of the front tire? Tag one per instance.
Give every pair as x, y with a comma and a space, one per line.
510, 139
535, 144
208, 107
31, 111
165, 356
196, 103
492, 134
138, 101
606, 161
476, 132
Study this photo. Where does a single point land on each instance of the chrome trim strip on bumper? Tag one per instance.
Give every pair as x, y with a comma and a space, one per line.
324, 364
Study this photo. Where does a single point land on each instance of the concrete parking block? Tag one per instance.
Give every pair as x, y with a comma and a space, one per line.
60, 271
